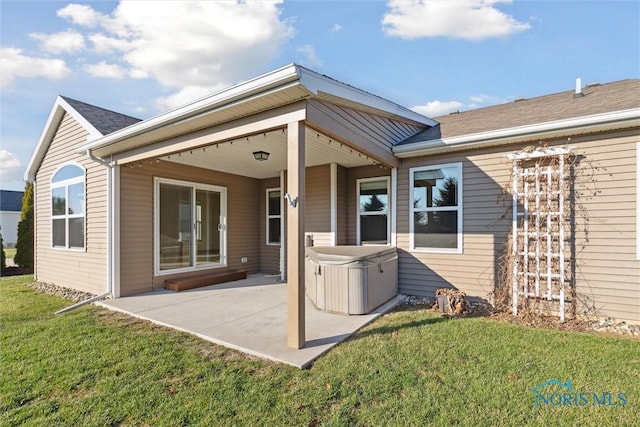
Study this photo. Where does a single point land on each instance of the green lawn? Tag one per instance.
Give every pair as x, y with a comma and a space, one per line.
411, 367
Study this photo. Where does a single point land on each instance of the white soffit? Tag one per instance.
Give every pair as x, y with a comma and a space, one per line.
236, 157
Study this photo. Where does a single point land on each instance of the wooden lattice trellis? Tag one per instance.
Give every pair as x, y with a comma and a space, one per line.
539, 253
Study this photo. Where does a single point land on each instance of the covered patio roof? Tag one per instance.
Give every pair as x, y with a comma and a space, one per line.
341, 113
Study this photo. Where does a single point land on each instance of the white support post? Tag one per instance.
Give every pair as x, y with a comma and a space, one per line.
561, 232
394, 206
283, 228
334, 203
537, 272
115, 231
549, 232
525, 238
514, 239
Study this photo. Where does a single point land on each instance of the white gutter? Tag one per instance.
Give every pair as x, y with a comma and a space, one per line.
109, 167
292, 74
81, 303
267, 81
487, 138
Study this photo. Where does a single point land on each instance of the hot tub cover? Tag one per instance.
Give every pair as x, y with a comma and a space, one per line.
350, 255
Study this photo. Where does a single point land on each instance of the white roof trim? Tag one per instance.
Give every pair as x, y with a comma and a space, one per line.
313, 82
318, 84
259, 84
57, 112
430, 146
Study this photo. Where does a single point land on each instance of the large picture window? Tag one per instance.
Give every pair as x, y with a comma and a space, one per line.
68, 208
373, 211
190, 226
274, 216
436, 208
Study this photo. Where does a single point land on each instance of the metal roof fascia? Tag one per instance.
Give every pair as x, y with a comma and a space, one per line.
272, 79
317, 83
424, 147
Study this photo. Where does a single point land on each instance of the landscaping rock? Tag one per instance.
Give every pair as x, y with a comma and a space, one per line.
59, 291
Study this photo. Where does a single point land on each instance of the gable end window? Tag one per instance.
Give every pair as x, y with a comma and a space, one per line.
68, 207
436, 208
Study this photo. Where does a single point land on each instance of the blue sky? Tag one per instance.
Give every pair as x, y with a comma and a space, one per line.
142, 58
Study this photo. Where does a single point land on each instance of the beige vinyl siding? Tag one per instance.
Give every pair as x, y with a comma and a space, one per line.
85, 270
317, 213
354, 174
342, 237
269, 254
607, 273
136, 213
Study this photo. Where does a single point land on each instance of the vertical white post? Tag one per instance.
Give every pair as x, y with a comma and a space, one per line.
514, 238
115, 232
283, 228
537, 211
334, 203
549, 232
295, 235
525, 229
394, 208
561, 232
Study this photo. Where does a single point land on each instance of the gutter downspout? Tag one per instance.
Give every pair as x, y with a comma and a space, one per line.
109, 166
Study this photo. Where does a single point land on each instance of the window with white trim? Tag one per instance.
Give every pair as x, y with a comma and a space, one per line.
68, 207
436, 208
373, 211
274, 216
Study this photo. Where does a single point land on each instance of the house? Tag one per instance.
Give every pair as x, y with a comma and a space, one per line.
129, 204
10, 207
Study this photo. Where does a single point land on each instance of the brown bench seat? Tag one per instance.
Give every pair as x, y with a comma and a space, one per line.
204, 280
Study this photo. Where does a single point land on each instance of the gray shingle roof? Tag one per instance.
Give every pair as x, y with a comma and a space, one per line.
598, 99
11, 201
105, 121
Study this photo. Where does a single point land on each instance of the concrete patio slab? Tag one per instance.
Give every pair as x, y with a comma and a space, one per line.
247, 315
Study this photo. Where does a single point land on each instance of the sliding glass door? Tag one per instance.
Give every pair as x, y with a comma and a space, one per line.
190, 226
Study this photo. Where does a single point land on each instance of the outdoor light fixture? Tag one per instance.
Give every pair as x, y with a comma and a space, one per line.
260, 155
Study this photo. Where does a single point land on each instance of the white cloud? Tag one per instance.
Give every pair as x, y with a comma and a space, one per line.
311, 59
190, 46
106, 70
482, 100
336, 27
10, 167
138, 74
184, 95
438, 108
65, 41
80, 14
106, 44
465, 19
15, 64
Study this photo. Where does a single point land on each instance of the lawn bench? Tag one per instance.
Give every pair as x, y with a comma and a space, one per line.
204, 280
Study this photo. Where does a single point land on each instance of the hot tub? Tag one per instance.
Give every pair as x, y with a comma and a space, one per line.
351, 279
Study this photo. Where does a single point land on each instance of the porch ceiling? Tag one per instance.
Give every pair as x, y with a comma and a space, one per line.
236, 156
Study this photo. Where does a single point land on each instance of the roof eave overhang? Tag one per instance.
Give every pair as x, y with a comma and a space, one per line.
290, 77
617, 120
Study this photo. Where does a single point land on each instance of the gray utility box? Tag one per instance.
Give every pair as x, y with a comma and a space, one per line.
351, 279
